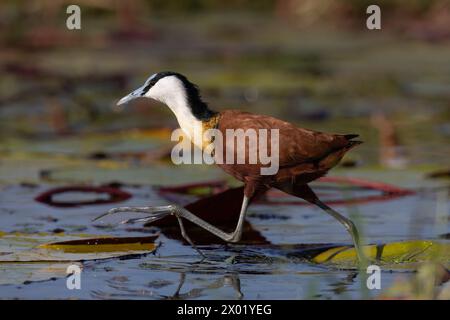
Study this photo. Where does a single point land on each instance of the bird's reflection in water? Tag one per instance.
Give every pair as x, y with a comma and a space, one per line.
122, 289
232, 280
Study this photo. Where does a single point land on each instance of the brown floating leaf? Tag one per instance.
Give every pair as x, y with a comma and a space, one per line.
126, 244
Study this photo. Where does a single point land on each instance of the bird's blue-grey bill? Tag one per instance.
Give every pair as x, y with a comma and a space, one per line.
133, 95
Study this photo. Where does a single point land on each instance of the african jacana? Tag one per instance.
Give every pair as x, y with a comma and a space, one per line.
304, 155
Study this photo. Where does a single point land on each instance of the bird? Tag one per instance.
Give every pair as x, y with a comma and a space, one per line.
303, 155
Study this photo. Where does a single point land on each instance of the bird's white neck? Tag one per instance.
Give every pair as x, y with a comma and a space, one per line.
190, 125
172, 92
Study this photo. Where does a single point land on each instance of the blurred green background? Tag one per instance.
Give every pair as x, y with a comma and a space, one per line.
312, 62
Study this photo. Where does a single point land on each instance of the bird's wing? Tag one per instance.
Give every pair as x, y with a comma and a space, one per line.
296, 145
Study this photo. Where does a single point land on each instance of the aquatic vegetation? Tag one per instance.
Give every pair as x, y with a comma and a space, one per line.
59, 128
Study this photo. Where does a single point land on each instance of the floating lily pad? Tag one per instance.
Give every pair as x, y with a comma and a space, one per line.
18, 247
390, 255
25, 258
103, 245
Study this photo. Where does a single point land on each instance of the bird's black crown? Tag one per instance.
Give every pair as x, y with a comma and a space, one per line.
199, 108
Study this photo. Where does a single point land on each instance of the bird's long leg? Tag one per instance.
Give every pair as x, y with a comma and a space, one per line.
348, 224
305, 192
234, 236
158, 212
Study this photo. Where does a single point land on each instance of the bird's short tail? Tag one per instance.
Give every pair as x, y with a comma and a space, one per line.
336, 155
351, 136
351, 143
342, 144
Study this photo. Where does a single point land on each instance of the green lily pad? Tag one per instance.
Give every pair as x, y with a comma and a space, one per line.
390, 255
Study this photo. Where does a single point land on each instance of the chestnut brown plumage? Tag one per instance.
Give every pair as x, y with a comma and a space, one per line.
304, 155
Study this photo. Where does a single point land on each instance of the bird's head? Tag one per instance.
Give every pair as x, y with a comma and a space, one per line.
174, 90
